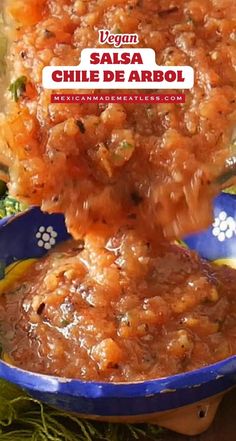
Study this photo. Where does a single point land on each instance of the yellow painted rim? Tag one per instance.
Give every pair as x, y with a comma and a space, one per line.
228, 261
14, 272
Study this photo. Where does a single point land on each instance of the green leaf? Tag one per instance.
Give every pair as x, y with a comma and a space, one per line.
23, 418
9, 206
18, 88
126, 145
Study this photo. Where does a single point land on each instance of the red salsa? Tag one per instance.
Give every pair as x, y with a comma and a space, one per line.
98, 161
119, 308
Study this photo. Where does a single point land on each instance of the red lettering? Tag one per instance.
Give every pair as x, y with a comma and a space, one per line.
105, 59
68, 76
94, 58
158, 76
108, 76
146, 75
111, 39
125, 58
137, 59
57, 76
103, 34
180, 77
134, 76
116, 58
94, 76
120, 76
170, 76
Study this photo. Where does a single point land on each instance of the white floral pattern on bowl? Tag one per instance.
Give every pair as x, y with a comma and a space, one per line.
224, 227
46, 237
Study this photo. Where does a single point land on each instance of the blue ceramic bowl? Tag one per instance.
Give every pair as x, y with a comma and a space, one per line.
187, 402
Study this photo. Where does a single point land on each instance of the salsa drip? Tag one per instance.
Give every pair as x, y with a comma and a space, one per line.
119, 307
151, 165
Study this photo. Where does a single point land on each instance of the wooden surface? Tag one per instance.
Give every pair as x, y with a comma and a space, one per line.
223, 428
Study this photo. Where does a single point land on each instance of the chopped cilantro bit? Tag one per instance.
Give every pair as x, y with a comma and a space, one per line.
116, 157
126, 145
65, 323
18, 88
9, 206
150, 112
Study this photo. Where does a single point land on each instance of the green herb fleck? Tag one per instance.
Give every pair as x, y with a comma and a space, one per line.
25, 418
65, 323
116, 157
150, 112
18, 88
126, 145
9, 206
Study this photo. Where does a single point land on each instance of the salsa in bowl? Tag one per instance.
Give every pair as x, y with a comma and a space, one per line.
160, 336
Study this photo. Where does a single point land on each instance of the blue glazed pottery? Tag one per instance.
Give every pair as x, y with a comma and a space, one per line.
219, 241
187, 402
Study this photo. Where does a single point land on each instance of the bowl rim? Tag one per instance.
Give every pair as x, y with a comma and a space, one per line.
95, 389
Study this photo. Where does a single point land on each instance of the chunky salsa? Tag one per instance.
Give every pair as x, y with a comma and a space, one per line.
119, 307
153, 163
119, 302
